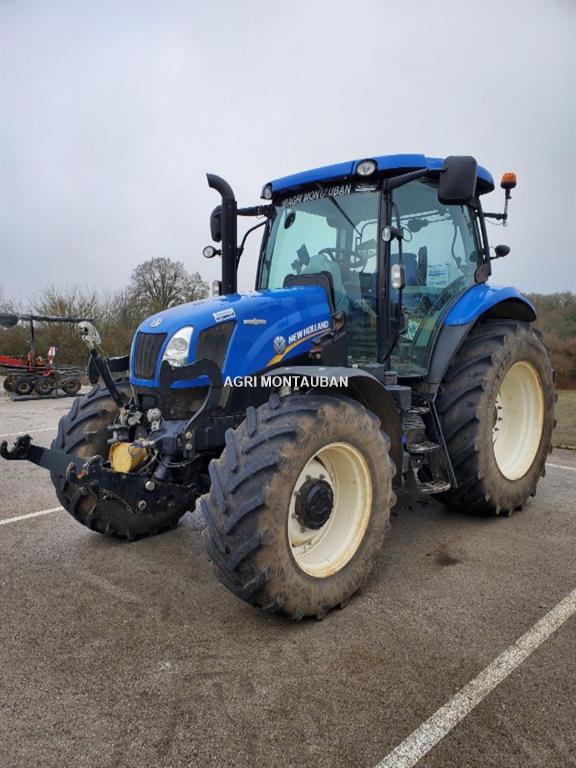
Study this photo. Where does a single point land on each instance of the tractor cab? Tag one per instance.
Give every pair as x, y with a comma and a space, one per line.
382, 220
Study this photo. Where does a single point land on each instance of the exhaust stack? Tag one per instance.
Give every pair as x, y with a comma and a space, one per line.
228, 232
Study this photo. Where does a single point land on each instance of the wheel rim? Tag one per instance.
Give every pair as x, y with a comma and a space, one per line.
518, 420
340, 472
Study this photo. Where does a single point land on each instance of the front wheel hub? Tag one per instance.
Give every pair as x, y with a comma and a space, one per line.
314, 503
329, 509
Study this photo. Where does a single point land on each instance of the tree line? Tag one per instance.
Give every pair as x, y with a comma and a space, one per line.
161, 283
154, 285
557, 321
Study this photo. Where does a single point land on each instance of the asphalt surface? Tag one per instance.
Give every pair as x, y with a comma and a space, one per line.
115, 655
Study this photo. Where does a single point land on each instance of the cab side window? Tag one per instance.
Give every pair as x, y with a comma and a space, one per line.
440, 254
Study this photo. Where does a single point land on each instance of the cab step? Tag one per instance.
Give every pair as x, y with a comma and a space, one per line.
424, 447
418, 410
434, 486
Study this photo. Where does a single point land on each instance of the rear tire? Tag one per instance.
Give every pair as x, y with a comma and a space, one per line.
8, 383
83, 432
496, 406
275, 554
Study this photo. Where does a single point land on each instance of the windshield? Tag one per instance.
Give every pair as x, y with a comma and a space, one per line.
331, 230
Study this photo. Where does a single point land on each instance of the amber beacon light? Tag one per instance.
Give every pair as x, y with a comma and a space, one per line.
508, 180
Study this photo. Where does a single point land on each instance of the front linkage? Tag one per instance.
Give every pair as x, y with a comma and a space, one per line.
171, 479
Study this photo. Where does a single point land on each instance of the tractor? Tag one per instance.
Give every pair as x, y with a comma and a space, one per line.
373, 355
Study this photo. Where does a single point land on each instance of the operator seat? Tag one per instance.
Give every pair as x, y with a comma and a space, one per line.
322, 263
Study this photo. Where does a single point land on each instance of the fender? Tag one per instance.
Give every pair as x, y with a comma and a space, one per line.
490, 301
369, 392
479, 302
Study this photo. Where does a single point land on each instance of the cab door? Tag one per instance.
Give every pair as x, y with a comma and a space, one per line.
440, 254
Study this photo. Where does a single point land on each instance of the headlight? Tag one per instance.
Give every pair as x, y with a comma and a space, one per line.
177, 349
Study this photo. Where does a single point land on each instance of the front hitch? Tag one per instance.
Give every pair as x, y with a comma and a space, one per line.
137, 492
25, 450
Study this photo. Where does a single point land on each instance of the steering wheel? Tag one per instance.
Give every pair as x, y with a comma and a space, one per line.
346, 257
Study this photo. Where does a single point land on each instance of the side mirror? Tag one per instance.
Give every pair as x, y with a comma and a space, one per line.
458, 180
216, 224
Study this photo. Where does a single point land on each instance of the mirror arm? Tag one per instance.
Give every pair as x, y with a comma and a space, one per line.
240, 250
255, 210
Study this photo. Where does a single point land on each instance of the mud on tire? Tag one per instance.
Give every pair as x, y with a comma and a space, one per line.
467, 406
247, 508
82, 432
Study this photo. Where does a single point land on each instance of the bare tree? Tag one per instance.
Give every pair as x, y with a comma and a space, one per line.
197, 287
6, 305
80, 302
161, 283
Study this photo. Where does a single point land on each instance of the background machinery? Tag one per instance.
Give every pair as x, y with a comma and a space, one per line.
372, 354
32, 373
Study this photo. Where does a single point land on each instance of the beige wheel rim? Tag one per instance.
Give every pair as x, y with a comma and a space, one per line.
518, 420
324, 551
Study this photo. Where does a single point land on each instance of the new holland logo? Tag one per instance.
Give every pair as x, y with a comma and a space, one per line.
279, 344
156, 322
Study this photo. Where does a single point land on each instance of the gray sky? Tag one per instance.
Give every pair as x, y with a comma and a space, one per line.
112, 112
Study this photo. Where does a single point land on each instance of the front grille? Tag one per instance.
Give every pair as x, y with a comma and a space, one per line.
213, 343
148, 346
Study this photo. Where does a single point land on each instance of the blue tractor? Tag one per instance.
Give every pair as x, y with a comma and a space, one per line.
373, 354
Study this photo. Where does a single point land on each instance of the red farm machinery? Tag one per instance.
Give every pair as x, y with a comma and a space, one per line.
32, 374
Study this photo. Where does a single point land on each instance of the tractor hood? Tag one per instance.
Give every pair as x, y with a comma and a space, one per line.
244, 333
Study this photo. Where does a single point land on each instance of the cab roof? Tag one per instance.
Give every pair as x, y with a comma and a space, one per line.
389, 165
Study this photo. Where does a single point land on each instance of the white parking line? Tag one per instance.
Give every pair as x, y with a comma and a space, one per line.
42, 429
29, 515
561, 466
424, 738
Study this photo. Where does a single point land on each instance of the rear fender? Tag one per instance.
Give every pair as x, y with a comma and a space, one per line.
481, 302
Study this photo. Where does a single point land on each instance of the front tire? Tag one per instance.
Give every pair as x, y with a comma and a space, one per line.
83, 432
496, 407
299, 504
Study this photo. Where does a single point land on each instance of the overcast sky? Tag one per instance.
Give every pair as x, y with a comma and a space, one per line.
112, 112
